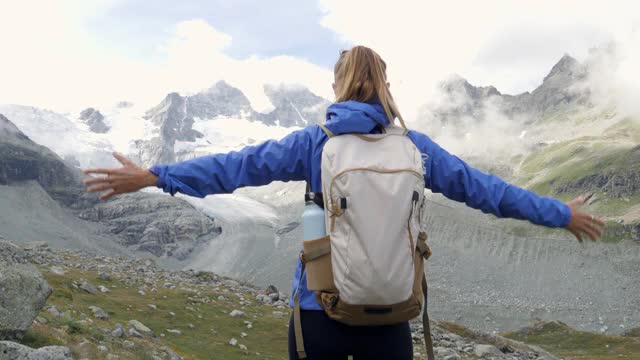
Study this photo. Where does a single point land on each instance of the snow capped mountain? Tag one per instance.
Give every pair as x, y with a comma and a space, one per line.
180, 127
220, 119
71, 139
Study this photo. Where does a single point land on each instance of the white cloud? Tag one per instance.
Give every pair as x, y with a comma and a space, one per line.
196, 60
50, 60
425, 41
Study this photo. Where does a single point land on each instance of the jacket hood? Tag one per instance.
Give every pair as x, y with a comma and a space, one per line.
355, 117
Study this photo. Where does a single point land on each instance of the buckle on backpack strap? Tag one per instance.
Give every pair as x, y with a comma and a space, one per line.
423, 248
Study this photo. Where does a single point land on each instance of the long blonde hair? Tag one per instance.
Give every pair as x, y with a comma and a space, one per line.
361, 75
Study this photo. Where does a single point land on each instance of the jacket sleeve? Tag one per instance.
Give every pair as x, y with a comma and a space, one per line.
449, 175
283, 160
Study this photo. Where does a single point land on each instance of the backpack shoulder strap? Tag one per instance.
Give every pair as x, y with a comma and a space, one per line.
396, 130
326, 131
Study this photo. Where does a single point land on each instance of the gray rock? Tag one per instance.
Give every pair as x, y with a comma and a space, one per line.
174, 331
118, 332
233, 342
172, 355
128, 344
160, 225
98, 313
137, 325
134, 333
237, 313
95, 120
104, 276
23, 292
88, 288
54, 311
57, 270
486, 350
14, 351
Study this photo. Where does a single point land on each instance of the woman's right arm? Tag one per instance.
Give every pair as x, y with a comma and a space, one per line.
283, 160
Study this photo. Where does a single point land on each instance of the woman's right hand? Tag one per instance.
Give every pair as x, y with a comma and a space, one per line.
126, 179
583, 223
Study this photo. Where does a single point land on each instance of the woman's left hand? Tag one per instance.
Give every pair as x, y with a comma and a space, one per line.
583, 223
128, 178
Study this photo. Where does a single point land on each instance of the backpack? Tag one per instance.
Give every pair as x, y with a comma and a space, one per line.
369, 268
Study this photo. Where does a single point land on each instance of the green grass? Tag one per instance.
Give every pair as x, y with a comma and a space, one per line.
568, 343
213, 327
635, 332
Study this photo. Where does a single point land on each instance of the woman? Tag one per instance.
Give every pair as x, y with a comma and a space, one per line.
363, 105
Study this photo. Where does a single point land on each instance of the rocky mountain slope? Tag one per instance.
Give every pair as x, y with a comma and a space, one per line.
557, 140
116, 308
23, 160
43, 198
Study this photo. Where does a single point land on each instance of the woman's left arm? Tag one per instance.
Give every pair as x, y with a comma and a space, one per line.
449, 175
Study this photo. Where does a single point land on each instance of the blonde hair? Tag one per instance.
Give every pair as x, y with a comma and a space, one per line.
360, 75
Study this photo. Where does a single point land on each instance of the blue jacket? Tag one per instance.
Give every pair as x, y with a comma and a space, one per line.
297, 157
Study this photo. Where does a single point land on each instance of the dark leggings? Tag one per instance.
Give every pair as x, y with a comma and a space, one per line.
326, 339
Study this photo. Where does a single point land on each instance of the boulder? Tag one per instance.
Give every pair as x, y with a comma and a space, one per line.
138, 326
23, 292
14, 351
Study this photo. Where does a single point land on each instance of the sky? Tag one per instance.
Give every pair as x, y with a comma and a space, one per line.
67, 55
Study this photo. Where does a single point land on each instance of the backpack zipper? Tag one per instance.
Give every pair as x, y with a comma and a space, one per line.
335, 210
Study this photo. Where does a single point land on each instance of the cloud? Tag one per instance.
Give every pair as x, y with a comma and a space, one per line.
425, 41
196, 60
50, 60
614, 75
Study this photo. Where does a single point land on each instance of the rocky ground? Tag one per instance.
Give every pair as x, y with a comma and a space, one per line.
84, 306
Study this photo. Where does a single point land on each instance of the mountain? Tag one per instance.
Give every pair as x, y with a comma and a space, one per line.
459, 102
555, 140
95, 120
180, 122
23, 160
293, 106
42, 199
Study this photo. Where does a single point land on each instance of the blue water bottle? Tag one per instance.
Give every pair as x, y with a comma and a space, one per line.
313, 217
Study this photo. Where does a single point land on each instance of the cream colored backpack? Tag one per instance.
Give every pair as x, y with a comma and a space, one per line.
369, 269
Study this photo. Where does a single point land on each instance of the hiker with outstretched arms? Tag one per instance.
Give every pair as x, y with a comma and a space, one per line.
356, 288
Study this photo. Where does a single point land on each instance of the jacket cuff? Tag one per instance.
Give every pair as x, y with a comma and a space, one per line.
160, 171
566, 211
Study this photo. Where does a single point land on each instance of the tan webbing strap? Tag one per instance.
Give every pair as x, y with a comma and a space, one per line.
422, 246
314, 254
426, 327
326, 131
297, 321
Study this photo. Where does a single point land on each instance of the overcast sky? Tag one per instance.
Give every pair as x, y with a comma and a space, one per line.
69, 54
